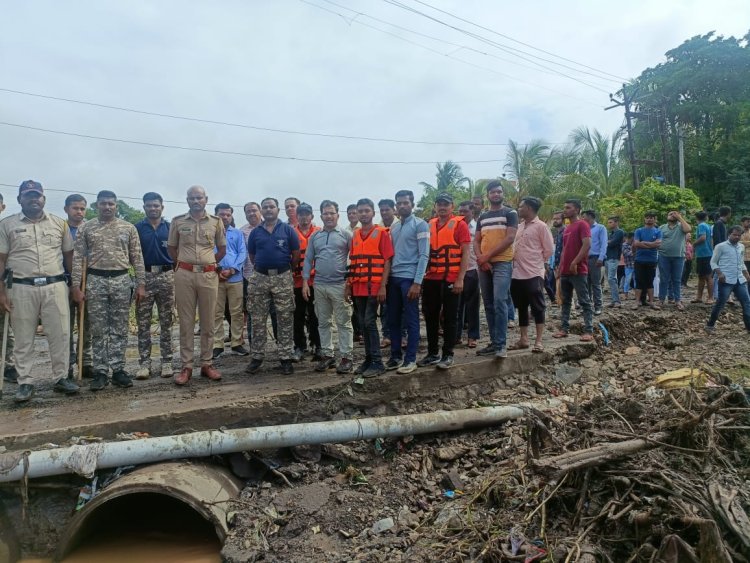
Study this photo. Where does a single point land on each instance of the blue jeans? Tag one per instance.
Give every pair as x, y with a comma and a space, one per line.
614, 288
627, 281
398, 302
580, 284
495, 286
740, 292
670, 277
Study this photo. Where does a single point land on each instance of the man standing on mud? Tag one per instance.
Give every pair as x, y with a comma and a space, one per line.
196, 243
75, 209
111, 246
304, 309
34, 244
273, 248
154, 233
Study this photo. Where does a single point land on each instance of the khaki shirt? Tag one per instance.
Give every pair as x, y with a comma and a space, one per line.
195, 240
113, 245
35, 249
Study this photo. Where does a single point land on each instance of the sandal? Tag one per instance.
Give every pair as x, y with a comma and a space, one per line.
472, 343
560, 334
587, 337
518, 346
537, 349
680, 306
655, 307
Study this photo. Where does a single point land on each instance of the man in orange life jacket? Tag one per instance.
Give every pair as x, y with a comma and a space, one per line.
370, 256
444, 280
304, 311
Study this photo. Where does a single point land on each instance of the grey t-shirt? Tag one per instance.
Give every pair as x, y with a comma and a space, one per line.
672, 241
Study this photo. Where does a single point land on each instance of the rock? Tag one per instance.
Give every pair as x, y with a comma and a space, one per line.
449, 518
382, 525
567, 374
406, 518
449, 453
589, 363
452, 481
632, 351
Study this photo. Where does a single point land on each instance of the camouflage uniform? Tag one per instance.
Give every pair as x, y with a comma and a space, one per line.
159, 290
261, 291
111, 247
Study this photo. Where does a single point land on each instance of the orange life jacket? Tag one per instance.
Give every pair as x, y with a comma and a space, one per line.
365, 261
302, 248
445, 254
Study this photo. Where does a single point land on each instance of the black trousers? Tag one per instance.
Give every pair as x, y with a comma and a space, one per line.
468, 306
529, 293
437, 297
304, 317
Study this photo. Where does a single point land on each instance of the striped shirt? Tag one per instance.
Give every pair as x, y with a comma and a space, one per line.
493, 227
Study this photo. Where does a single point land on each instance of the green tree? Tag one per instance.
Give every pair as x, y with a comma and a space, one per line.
652, 195
448, 178
124, 211
527, 169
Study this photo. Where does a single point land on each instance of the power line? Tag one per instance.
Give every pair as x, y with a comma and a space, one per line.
500, 46
75, 191
244, 126
449, 55
603, 72
231, 153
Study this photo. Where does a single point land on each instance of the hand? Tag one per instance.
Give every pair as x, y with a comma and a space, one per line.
414, 291
599, 263
226, 273
722, 278
381, 293
140, 293
78, 295
458, 286
573, 268
486, 267
481, 260
305, 291
6, 305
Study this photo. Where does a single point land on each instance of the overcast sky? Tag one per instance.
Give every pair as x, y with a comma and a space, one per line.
290, 65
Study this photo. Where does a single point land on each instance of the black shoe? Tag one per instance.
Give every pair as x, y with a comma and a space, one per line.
217, 352
363, 367
345, 366
445, 362
374, 370
120, 378
429, 360
488, 350
67, 386
25, 392
10, 374
393, 363
286, 367
254, 366
88, 372
298, 355
240, 350
317, 355
324, 364
99, 382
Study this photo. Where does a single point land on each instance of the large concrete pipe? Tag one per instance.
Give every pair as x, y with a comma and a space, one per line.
201, 488
86, 459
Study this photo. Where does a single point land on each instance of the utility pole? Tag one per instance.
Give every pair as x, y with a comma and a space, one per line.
666, 165
626, 100
681, 154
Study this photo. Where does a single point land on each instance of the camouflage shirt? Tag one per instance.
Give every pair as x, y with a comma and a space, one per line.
113, 245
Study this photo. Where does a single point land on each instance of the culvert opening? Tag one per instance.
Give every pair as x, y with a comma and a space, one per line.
144, 528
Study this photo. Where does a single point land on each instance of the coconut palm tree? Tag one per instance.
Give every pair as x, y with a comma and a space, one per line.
603, 173
448, 178
526, 168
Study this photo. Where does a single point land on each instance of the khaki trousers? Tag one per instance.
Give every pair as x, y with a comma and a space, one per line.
230, 293
50, 302
193, 289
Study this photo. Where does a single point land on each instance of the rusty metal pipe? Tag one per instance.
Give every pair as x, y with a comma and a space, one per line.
86, 459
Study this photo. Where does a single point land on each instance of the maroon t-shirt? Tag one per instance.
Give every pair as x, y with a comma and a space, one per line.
573, 236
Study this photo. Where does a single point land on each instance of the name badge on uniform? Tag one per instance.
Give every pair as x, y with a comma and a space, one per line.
186, 230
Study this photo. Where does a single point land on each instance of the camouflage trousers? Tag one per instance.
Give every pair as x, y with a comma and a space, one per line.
262, 291
159, 291
108, 306
10, 360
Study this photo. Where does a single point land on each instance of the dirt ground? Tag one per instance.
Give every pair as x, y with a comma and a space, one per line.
517, 492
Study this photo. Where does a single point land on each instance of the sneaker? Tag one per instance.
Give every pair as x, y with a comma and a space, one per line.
445, 362
429, 360
10, 374
363, 367
488, 350
240, 350
501, 354
166, 369
325, 364
286, 367
217, 352
254, 366
66, 386
120, 378
317, 355
144, 372
99, 382
298, 355
345, 366
598, 311
25, 393
374, 370
393, 363
407, 368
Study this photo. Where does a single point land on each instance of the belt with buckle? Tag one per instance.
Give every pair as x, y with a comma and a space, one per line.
272, 271
199, 268
40, 281
106, 273
160, 268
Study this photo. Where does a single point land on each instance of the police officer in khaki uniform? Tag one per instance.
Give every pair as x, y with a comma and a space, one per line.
192, 239
34, 244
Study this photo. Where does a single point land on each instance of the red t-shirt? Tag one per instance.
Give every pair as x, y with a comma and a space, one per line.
462, 236
359, 289
573, 236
